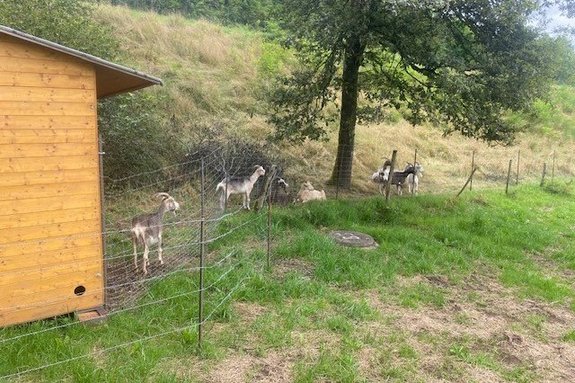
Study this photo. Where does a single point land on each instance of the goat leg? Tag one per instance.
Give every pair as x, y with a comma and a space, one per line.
134, 242
160, 250
146, 262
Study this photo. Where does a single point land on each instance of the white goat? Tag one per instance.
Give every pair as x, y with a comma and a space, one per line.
308, 193
412, 180
239, 185
381, 176
147, 229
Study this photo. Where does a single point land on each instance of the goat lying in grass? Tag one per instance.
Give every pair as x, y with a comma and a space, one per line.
147, 229
239, 185
308, 193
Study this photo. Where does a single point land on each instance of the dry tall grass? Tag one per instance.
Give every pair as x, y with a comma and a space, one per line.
214, 77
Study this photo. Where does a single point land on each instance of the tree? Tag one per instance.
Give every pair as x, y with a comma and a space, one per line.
459, 63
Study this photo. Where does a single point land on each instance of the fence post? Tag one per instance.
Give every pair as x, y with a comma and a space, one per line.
101, 154
414, 162
543, 176
508, 177
225, 197
338, 175
553, 167
269, 234
472, 170
202, 250
517, 175
390, 178
468, 181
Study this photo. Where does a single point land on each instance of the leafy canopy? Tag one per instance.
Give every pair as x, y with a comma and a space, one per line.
459, 63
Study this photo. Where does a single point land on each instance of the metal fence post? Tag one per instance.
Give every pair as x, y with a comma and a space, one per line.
269, 234
202, 250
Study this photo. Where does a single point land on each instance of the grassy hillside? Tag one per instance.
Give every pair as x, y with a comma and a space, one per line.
216, 78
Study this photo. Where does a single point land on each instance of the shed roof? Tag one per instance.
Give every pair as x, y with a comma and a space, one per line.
111, 78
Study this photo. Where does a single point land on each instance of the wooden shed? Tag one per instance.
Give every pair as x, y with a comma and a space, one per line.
51, 246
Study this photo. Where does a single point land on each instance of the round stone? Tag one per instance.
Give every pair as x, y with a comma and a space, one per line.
353, 239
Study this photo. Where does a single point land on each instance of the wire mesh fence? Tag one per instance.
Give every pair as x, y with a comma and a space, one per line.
201, 263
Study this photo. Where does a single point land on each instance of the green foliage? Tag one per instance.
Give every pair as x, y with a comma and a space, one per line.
462, 65
256, 13
67, 22
137, 139
563, 57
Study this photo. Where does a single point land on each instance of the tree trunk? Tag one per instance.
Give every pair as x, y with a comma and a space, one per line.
341, 174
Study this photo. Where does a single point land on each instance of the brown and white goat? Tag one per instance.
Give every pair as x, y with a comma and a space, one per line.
239, 185
147, 229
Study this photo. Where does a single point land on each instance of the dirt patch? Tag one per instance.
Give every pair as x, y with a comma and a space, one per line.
285, 266
485, 320
232, 370
275, 367
249, 312
125, 284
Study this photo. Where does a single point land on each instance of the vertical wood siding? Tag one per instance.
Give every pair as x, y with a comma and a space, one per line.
50, 217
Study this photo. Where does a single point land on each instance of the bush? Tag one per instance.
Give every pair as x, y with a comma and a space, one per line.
67, 22
137, 140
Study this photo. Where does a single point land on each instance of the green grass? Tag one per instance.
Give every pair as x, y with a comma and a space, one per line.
330, 293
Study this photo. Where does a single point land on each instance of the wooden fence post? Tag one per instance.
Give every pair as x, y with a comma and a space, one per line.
517, 175
472, 171
468, 181
390, 178
414, 162
543, 176
553, 167
508, 177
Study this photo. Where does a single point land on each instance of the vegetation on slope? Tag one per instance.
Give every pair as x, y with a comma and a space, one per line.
216, 82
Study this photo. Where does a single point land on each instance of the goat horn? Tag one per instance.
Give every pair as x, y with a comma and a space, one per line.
163, 195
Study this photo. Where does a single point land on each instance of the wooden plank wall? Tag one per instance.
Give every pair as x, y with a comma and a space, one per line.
50, 218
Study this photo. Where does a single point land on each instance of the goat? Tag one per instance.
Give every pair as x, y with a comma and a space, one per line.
239, 185
308, 193
412, 180
381, 176
147, 229
398, 178
280, 193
